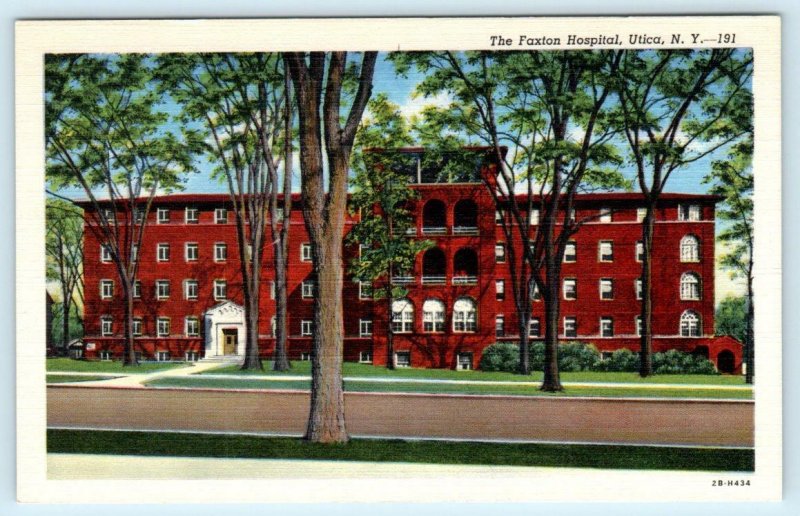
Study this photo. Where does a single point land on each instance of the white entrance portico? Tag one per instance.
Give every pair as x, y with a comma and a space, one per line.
225, 335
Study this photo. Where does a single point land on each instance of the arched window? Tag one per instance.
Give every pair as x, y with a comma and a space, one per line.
465, 316
402, 316
690, 286
434, 264
432, 316
690, 324
434, 218
690, 249
465, 267
465, 217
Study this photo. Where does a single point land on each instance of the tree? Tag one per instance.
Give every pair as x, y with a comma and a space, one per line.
548, 109
320, 125
64, 248
105, 135
241, 101
381, 194
669, 103
731, 317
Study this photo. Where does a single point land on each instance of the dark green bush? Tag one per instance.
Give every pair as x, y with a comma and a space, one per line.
678, 362
501, 356
621, 361
577, 356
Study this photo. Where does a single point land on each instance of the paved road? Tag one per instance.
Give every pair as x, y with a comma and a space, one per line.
678, 422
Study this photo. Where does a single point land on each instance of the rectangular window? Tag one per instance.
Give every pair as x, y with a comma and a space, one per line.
138, 215
220, 216
534, 216
109, 216
571, 252
690, 212
137, 289
272, 290
365, 357
606, 327
606, 288
106, 289
637, 285
162, 289
364, 290
305, 356
365, 327
190, 289
570, 288
192, 327
500, 289
638, 325
533, 290
534, 327
308, 289
500, 252
570, 327
192, 251
162, 356
106, 326
639, 251
402, 359
192, 216
162, 254
606, 251
605, 214
134, 252
163, 327
305, 252
464, 362
403, 321
220, 252
105, 356
500, 325
641, 213
137, 326
572, 214
498, 217
220, 290
191, 356
162, 215
105, 253
306, 327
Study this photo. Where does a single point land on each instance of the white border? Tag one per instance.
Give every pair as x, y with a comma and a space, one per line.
399, 482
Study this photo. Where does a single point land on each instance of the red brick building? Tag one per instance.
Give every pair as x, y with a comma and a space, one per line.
188, 303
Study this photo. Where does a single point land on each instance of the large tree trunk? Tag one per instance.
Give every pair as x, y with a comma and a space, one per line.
646, 341
252, 360
280, 360
129, 357
550, 295
524, 344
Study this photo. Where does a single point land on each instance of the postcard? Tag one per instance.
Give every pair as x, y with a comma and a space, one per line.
412, 259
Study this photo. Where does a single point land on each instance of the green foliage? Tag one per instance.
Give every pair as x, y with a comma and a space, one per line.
677, 362
621, 360
502, 356
75, 323
731, 317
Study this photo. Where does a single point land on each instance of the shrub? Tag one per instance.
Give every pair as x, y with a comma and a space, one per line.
500, 356
678, 362
621, 361
577, 356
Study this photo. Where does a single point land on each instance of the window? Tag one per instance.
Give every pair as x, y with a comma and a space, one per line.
162, 215
690, 286
138, 215
500, 252
606, 327
272, 290
134, 252
137, 288
306, 327
432, 316
162, 289
220, 252
606, 288
365, 357
534, 216
402, 316
570, 288
192, 252
571, 252
638, 322
498, 217
364, 290
162, 356
533, 290
308, 289
402, 359
220, 290
162, 252
639, 251
500, 289
220, 216
305, 356
191, 356
499, 325
190, 289
690, 212
305, 252
192, 327
137, 326
109, 216
192, 216
163, 327
641, 213
690, 249
273, 325
572, 214
534, 327
106, 289
106, 326
605, 214
465, 316
690, 324
105, 356
606, 251
464, 362
105, 253
637, 285
570, 327
365, 328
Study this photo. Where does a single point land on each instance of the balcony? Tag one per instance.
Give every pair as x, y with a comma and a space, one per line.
434, 230
465, 280
465, 230
434, 280
403, 280
411, 231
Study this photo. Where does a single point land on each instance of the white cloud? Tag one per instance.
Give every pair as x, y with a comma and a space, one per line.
416, 103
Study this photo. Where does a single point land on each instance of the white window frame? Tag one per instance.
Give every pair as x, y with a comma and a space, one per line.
163, 327
433, 319
106, 289
397, 363
637, 324
272, 290
639, 251
162, 252
191, 251
500, 289
690, 249
106, 326
191, 215
305, 356
605, 214
606, 327
534, 217
499, 325
637, 288
188, 322
606, 286
308, 289
572, 322
134, 252
138, 216
500, 252
137, 289
162, 356
464, 360
306, 327
569, 288
691, 324
364, 290
365, 357
402, 316
571, 257
136, 326
691, 286
220, 252
187, 287
533, 290
641, 213
365, 327
162, 215
689, 212
465, 320
105, 355
161, 284
305, 252
220, 290
601, 246
105, 253
534, 323
220, 215
191, 356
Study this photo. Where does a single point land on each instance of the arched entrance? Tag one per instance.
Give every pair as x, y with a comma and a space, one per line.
726, 361
224, 325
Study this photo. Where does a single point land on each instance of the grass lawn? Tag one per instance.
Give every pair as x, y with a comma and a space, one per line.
475, 388
378, 450
303, 368
97, 366
65, 378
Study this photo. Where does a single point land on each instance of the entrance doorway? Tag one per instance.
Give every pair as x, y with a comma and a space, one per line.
230, 341
726, 362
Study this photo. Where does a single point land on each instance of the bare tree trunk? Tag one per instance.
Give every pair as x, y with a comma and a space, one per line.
252, 360
524, 343
129, 358
550, 295
389, 329
749, 338
280, 360
646, 351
